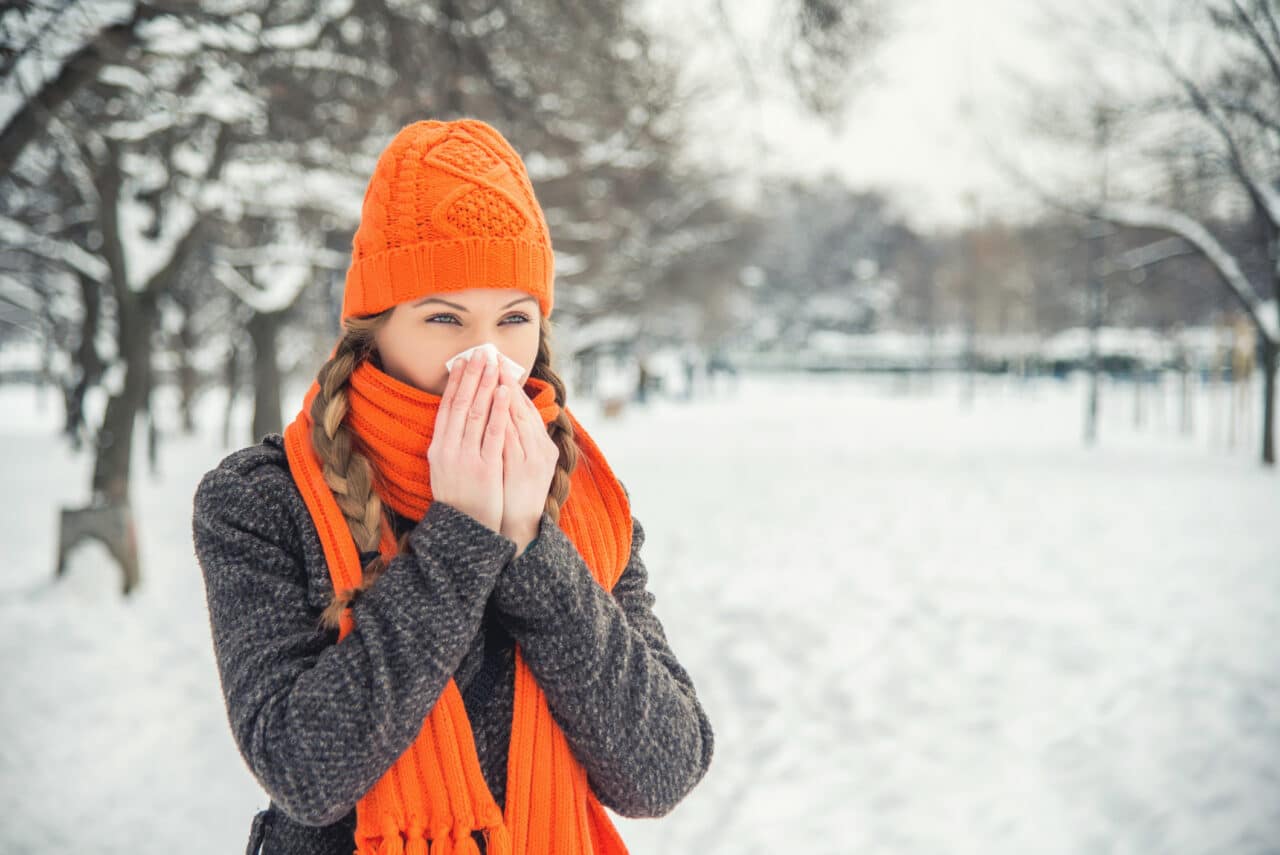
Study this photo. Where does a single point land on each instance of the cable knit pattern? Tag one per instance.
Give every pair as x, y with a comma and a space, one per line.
318, 722
485, 212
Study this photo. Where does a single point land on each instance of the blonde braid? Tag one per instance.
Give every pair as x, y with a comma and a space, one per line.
560, 429
346, 469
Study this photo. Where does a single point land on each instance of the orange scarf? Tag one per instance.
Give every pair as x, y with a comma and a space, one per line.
436, 791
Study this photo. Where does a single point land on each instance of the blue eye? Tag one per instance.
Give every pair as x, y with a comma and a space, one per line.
515, 317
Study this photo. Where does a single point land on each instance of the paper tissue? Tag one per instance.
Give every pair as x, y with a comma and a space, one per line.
515, 369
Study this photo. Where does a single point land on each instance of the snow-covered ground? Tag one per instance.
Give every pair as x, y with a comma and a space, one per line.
917, 625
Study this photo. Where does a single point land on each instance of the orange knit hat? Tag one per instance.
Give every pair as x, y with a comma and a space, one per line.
449, 207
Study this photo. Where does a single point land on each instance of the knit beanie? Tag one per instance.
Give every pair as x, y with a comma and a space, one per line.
449, 207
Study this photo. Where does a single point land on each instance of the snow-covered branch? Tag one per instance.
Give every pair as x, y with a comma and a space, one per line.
282, 269
1154, 253
1141, 215
14, 233
280, 293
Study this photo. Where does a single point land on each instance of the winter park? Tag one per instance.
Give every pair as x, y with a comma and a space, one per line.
933, 346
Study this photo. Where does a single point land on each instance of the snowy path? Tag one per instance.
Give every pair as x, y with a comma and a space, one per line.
917, 628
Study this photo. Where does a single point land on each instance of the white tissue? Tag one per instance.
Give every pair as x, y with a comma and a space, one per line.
493, 354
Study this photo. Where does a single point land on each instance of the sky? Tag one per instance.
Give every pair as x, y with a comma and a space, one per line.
916, 129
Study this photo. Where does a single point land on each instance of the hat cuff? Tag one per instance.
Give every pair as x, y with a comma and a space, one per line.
382, 280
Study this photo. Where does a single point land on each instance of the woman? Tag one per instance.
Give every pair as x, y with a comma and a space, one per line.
428, 607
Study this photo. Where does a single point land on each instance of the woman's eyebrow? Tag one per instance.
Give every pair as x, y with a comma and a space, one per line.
464, 308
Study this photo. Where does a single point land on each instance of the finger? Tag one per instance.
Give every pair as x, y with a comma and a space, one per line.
463, 399
449, 428
478, 413
495, 434
513, 452
440, 436
505, 379
527, 426
526, 408
450, 390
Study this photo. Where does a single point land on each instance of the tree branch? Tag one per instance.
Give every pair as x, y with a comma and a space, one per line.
1141, 215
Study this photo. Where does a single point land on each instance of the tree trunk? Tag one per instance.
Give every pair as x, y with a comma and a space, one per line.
115, 438
263, 328
88, 365
187, 372
108, 517
231, 377
1269, 354
1094, 320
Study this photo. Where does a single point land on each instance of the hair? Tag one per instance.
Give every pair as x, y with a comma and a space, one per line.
353, 477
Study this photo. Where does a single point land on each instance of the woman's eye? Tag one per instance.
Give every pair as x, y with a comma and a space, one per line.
515, 317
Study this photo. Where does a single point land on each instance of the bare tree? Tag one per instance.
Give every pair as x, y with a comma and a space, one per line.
1223, 117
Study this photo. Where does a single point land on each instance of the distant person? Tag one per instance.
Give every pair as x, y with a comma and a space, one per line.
405, 612
690, 366
642, 383
719, 363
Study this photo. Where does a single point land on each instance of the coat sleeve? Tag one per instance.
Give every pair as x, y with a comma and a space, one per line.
317, 720
614, 686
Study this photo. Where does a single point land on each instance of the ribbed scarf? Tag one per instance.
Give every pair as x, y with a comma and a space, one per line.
435, 794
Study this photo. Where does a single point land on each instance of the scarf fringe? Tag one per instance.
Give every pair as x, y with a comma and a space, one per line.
453, 841
498, 840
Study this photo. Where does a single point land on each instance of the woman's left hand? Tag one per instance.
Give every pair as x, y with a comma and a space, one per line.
529, 458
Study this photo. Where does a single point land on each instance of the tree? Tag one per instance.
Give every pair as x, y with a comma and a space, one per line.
1222, 117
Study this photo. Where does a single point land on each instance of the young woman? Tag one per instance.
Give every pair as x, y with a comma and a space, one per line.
428, 606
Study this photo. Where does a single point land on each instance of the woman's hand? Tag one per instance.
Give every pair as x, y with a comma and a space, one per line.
529, 460
466, 453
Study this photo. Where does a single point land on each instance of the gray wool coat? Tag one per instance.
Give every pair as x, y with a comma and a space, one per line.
318, 722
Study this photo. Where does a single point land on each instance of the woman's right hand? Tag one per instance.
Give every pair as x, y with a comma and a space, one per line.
466, 445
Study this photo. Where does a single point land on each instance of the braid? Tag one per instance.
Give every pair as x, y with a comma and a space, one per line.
560, 429
347, 471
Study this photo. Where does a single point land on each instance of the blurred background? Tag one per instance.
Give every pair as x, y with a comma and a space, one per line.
935, 342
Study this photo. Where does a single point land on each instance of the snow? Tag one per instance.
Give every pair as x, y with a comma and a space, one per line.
1202, 346
1146, 345
280, 270
279, 185
148, 256
917, 625
281, 285
14, 233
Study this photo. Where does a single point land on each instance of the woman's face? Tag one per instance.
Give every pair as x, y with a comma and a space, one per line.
422, 333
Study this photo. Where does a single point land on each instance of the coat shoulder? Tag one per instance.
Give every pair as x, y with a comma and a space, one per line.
264, 460
251, 492
261, 469
253, 489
